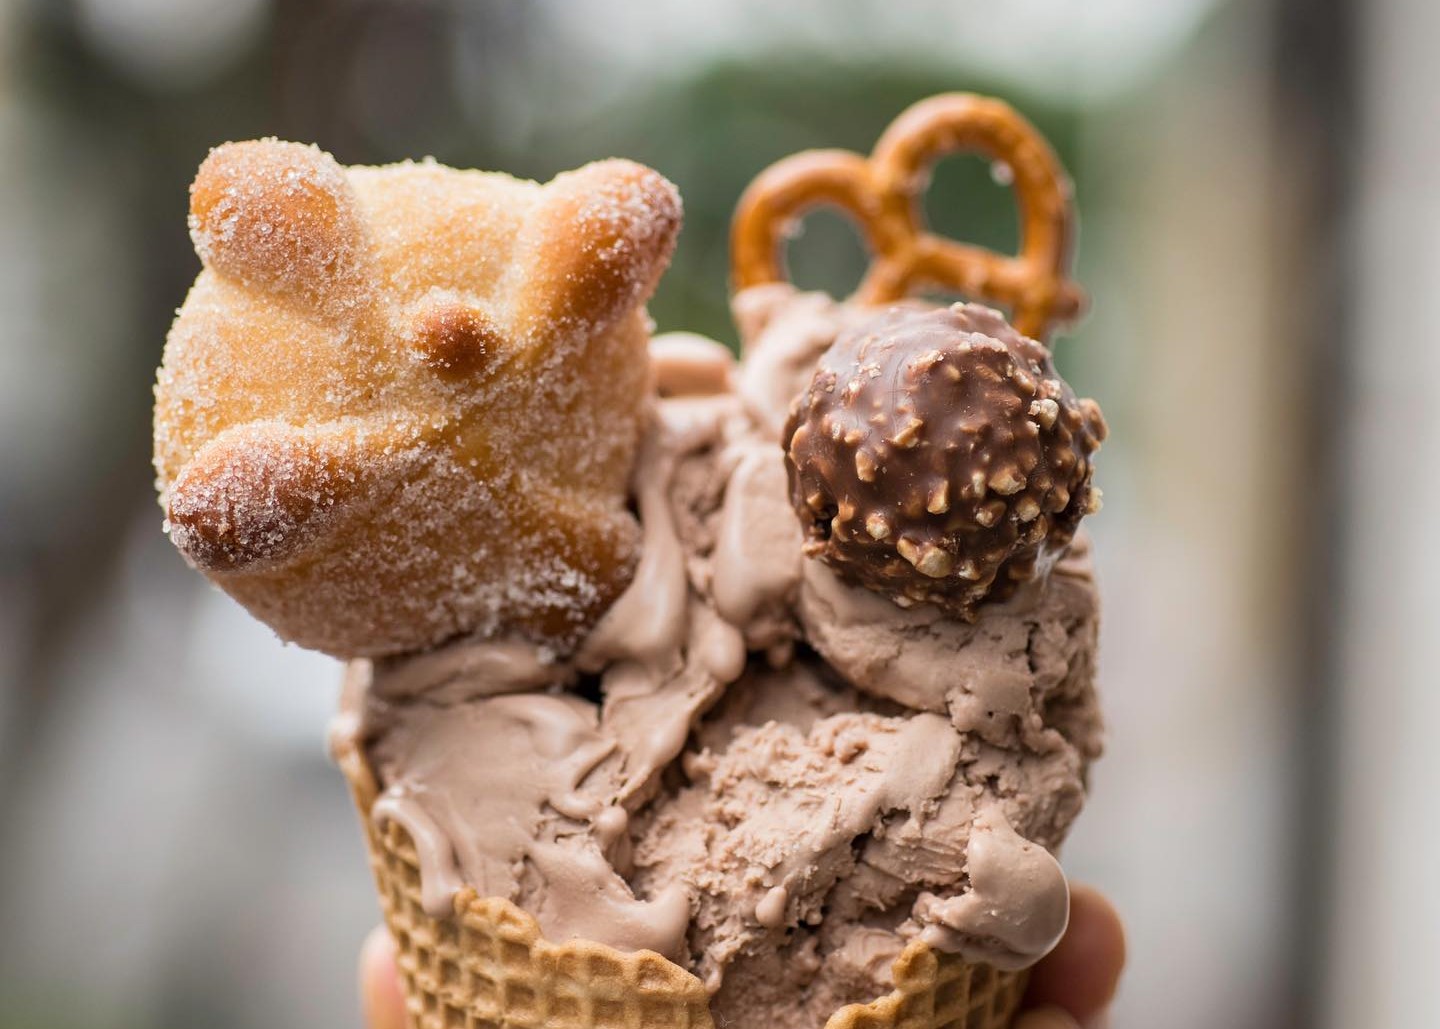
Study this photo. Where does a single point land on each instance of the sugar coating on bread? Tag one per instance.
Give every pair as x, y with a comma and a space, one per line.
401, 404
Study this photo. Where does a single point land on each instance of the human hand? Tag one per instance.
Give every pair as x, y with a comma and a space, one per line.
1071, 988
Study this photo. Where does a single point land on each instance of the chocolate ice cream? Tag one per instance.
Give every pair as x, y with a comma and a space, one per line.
753, 766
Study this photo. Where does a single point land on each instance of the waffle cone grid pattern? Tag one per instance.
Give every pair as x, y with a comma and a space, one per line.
488, 967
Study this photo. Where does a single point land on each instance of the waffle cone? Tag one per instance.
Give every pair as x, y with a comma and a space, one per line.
487, 966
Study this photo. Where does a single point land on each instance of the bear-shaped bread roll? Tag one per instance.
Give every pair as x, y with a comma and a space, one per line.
401, 404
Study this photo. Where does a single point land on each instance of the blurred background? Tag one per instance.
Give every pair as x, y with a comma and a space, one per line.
1260, 211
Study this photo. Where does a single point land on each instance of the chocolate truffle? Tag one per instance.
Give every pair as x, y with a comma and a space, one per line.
937, 456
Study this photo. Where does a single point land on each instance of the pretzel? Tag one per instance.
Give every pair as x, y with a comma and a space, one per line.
883, 192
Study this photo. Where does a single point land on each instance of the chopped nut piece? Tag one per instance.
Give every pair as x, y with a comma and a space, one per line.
1045, 411
908, 436
989, 514
934, 562
1007, 481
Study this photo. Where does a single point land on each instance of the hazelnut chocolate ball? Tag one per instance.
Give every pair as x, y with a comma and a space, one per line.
937, 456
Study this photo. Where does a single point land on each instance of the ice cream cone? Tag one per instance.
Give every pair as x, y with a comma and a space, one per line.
487, 964
747, 680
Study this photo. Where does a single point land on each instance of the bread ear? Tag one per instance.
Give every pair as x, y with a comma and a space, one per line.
595, 249
261, 491
280, 217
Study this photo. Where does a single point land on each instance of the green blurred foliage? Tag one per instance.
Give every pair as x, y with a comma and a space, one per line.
714, 132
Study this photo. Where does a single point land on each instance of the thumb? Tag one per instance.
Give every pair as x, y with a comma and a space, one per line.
380, 996
1046, 1018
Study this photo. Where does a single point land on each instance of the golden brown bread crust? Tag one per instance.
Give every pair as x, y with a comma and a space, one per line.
401, 403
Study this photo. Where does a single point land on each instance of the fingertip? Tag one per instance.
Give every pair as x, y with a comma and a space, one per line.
1105, 932
1081, 974
1046, 1018
380, 995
